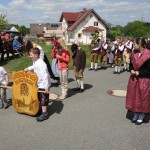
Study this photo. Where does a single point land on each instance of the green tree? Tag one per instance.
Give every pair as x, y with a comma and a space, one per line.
3, 22
135, 29
23, 30
114, 32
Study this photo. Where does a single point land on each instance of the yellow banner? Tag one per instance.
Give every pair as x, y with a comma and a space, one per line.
24, 92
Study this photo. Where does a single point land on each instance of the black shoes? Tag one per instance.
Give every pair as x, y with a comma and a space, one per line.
81, 90
138, 123
5, 105
42, 117
77, 89
91, 69
115, 72
124, 69
133, 121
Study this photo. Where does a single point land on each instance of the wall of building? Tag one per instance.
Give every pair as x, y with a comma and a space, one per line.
86, 37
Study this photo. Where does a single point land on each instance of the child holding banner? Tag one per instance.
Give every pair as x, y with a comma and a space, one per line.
43, 83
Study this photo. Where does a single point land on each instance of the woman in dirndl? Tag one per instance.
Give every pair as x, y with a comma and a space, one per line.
138, 90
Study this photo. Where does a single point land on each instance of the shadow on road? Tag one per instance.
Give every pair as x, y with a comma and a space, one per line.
72, 91
70, 80
55, 107
56, 83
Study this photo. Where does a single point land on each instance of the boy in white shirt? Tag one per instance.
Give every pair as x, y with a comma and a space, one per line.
43, 83
3, 81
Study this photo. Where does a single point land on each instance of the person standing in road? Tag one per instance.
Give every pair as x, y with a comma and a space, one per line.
79, 62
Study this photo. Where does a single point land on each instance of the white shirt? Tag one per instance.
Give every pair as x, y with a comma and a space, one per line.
105, 46
2, 76
99, 46
41, 70
129, 44
121, 48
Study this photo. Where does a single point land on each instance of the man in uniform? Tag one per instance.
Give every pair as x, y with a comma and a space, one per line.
103, 52
118, 50
128, 46
95, 47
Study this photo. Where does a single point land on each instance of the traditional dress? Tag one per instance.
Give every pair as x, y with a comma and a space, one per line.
95, 47
79, 62
111, 57
138, 90
127, 54
103, 53
118, 50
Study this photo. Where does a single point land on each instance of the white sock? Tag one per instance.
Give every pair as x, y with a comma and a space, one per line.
92, 64
78, 83
82, 84
136, 115
141, 117
95, 65
116, 68
125, 66
128, 66
119, 69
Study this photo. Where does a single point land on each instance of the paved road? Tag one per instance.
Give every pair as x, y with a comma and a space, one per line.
92, 120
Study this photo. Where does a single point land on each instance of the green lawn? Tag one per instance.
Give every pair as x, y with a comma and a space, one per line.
20, 63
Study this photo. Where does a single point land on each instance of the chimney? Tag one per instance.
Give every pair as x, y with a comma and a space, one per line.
84, 9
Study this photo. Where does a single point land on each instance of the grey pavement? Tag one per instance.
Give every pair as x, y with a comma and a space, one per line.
92, 120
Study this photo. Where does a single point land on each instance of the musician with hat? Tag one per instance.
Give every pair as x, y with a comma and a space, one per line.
95, 47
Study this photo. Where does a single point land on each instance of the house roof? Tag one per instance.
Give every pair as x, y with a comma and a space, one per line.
78, 17
91, 28
37, 28
69, 16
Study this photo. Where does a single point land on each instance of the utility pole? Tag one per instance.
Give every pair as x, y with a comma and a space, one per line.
142, 18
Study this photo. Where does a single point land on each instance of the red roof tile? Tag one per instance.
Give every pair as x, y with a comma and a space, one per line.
69, 16
92, 28
84, 14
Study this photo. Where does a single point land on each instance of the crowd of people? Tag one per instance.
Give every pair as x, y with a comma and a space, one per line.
9, 44
115, 54
133, 55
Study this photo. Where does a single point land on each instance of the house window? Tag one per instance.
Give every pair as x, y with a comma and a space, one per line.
54, 25
95, 23
79, 35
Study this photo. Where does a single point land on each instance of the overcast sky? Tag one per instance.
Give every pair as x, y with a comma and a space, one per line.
117, 12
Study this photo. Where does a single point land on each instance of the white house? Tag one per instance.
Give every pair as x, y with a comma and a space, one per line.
80, 26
